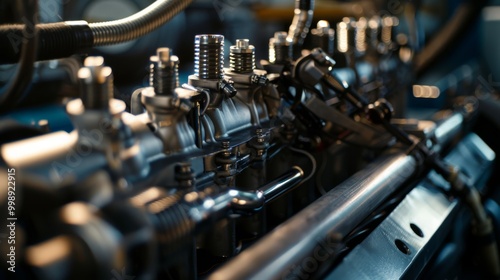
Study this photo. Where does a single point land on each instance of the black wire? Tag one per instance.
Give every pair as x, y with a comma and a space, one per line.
12, 92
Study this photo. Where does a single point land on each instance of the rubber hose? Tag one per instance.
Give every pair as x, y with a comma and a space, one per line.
60, 39
11, 93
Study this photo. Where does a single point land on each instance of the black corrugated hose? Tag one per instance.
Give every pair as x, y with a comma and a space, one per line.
14, 89
62, 39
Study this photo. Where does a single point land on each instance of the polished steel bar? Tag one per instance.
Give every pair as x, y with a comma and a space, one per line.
296, 241
298, 247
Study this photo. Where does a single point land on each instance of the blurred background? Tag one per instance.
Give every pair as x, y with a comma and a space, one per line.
457, 39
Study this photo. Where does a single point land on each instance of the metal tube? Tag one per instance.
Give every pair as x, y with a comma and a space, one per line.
283, 184
293, 243
248, 202
138, 24
311, 236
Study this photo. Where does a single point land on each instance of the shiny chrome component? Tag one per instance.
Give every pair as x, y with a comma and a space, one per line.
335, 213
346, 35
361, 35
417, 222
324, 37
318, 230
282, 185
168, 114
449, 127
278, 48
164, 77
209, 56
242, 57
96, 83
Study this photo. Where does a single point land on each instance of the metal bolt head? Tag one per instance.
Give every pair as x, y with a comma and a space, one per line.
242, 46
163, 54
204, 39
323, 26
242, 43
96, 83
225, 144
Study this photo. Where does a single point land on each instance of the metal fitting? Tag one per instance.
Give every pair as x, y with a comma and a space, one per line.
164, 76
209, 56
279, 48
345, 35
227, 87
324, 37
242, 57
96, 84
361, 35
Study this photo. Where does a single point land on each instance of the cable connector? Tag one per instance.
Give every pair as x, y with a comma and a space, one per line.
227, 87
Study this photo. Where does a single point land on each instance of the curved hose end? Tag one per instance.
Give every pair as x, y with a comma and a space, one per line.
246, 202
299, 169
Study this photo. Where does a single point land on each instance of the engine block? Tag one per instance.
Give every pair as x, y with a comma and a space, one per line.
299, 166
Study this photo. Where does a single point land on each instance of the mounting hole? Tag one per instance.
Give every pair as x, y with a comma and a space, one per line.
402, 247
417, 230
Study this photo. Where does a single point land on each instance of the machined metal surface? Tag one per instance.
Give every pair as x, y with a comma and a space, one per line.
278, 48
242, 57
300, 241
324, 37
292, 171
331, 216
164, 77
407, 239
209, 56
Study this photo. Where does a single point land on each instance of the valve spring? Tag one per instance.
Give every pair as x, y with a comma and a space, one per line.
279, 48
278, 54
346, 35
242, 62
164, 75
387, 34
326, 43
164, 81
374, 29
209, 56
361, 35
324, 37
242, 57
